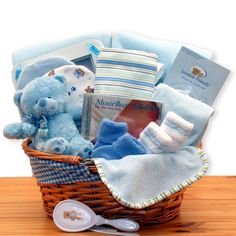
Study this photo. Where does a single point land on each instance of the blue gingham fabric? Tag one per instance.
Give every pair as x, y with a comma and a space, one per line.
54, 172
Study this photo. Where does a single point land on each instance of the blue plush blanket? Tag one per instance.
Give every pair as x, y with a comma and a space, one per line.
139, 181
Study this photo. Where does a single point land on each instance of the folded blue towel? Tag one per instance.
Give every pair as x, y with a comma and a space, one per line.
188, 108
126, 73
138, 181
125, 145
109, 131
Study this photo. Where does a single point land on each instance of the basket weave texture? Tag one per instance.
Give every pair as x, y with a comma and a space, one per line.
96, 195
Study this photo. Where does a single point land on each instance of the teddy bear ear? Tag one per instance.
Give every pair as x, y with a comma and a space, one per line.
60, 78
17, 97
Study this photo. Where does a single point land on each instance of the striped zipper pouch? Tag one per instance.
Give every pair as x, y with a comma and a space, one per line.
126, 73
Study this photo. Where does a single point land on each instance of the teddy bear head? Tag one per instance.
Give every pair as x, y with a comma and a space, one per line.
43, 96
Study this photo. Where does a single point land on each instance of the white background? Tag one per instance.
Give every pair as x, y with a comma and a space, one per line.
208, 24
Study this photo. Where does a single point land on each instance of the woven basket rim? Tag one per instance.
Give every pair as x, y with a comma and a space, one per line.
50, 156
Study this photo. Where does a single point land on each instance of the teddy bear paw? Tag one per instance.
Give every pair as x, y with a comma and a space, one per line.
85, 150
57, 145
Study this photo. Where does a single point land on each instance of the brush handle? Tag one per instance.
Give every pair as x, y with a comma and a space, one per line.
121, 224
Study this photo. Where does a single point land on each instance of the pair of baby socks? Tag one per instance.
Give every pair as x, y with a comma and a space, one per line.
114, 141
169, 137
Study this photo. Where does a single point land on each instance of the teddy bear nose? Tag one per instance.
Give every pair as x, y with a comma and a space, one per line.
42, 102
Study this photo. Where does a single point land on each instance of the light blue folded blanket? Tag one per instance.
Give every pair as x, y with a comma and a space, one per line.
188, 108
138, 181
166, 50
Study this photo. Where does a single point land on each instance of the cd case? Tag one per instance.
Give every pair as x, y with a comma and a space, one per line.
136, 113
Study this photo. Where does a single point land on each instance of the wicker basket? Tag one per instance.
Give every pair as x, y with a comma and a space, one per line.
97, 196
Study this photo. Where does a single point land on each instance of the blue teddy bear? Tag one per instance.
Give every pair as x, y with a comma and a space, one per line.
43, 102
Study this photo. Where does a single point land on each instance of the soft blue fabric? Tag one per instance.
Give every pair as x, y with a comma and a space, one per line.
53, 130
109, 131
139, 181
39, 68
188, 108
166, 50
123, 146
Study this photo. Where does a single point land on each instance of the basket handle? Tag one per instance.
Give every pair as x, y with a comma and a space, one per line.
49, 156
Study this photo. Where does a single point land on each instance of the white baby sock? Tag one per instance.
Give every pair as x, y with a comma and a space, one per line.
178, 129
155, 139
